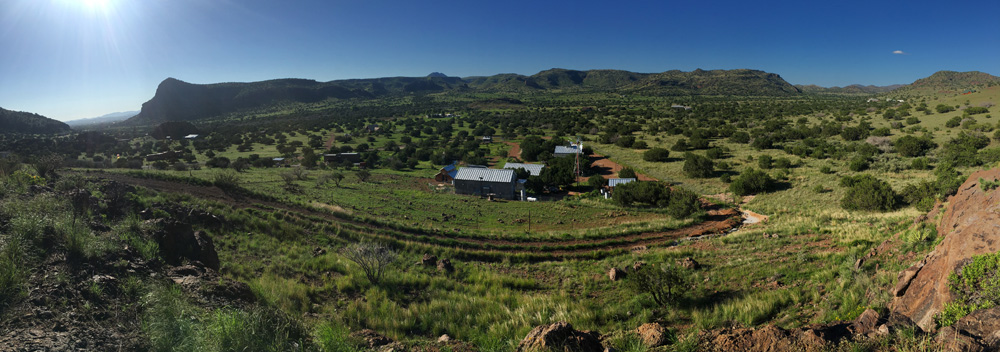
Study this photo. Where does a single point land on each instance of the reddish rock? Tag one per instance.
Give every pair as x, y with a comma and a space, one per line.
616, 274
969, 226
371, 338
637, 265
866, 323
689, 263
559, 337
445, 265
652, 334
428, 260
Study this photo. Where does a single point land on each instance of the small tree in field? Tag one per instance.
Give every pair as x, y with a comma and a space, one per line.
373, 258
665, 283
363, 175
596, 181
337, 177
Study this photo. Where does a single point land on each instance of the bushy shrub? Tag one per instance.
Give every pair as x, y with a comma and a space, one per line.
975, 286
626, 173
664, 283
865, 192
656, 155
698, 166
683, 203
858, 164
913, 146
765, 161
963, 149
751, 181
650, 193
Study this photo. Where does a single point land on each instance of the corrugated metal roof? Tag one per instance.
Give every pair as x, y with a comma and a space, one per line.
533, 169
560, 149
488, 175
618, 181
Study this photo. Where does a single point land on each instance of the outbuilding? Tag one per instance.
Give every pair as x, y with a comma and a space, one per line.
486, 182
533, 169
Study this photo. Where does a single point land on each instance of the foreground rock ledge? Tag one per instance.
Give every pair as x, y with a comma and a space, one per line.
560, 337
970, 226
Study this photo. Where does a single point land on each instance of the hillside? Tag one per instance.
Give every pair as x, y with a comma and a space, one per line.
112, 117
181, 101
851, 89
954, 81
30, 123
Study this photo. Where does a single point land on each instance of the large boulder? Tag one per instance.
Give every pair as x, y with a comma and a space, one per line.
652, 334
978, 331
970, 226
178, 241
559, 337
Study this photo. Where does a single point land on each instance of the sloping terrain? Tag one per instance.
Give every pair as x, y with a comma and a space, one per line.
970, 226
29, 123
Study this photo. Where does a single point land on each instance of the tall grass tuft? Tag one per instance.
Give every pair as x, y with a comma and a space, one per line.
12, 273
170, 321
257, 329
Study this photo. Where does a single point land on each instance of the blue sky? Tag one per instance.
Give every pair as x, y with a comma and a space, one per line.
69, 59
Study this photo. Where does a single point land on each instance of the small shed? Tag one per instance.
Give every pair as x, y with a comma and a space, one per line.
533, 169
447, 173
191, 136
487, 139
619, 181
562, 150
483, 182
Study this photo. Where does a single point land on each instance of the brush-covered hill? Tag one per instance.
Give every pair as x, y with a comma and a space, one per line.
740, 82
29, 123
954, 81
176, 100
851, 89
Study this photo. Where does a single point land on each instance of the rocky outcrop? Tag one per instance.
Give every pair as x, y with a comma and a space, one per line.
178, 241
616, 274
978, 331
652, 334
559, 337
970, 226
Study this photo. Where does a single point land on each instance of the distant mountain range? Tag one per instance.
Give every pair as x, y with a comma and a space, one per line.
851, 89
112, 117
29, 123
176, 100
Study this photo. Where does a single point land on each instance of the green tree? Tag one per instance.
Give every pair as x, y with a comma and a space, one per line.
664, 283
656, 155
626, 173
596, 181
865, 192
751, 181
698, 166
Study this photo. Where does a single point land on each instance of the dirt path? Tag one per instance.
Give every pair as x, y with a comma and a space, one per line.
609, 169
330, 140
515, 149
718, 221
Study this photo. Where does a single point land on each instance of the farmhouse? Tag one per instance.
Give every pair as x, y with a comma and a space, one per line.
533, 169
567, 151
341, 157
484, 182
447, 173
168, 155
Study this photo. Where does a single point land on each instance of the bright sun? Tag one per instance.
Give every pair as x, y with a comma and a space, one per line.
96, 4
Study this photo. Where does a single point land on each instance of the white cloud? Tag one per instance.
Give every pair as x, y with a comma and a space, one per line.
899, 52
